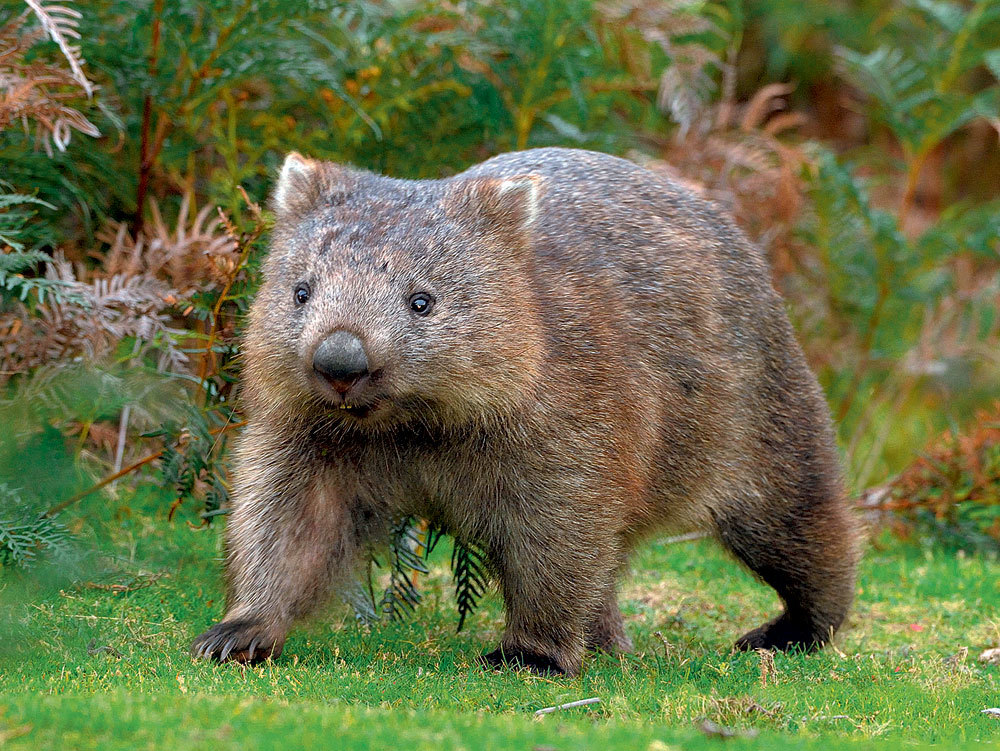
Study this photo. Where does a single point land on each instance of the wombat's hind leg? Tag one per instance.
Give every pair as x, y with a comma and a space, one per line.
808, 555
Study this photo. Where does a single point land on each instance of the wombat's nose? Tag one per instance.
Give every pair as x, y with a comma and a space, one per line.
340, 358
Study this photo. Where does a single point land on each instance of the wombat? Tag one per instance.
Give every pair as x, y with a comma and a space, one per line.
552, 355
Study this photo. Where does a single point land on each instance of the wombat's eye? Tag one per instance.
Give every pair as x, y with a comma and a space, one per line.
421, 303
302, 293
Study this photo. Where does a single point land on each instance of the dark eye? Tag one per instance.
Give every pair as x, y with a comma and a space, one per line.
421, 303
302, 293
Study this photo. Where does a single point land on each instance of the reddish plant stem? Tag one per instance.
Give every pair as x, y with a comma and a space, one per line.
147, 156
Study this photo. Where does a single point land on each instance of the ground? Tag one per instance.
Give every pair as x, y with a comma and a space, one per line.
103, 664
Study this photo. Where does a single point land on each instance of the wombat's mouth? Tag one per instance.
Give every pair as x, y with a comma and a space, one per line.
358, 411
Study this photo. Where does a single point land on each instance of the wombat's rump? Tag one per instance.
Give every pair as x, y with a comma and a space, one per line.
553, 354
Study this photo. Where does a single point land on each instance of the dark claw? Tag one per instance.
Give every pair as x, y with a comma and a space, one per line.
200, 647
227, 649
240, 641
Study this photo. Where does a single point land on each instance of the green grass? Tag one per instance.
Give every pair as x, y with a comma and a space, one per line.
82, 667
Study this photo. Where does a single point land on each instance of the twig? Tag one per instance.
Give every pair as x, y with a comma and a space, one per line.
122, 433
715, 730
684, 538
123, 422
668, 648
570, 705
140, 583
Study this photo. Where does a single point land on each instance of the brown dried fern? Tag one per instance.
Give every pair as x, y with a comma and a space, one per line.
740, 157
687, 84
61, 24
196, 252
88, 322
134, 295
39, 92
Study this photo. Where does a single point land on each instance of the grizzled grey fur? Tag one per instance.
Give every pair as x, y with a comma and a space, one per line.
554, 354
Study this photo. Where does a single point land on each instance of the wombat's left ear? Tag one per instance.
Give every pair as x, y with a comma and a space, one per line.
303, 183
503, 205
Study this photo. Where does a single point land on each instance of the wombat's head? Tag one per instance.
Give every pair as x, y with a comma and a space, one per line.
388, 301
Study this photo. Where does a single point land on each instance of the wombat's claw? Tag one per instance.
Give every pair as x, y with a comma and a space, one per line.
237, 641
501, 658
781, 634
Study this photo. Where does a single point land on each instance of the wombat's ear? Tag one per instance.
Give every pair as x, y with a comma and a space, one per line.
496, 204
303, 183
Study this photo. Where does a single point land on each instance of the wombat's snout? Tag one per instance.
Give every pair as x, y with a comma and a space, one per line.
341, 360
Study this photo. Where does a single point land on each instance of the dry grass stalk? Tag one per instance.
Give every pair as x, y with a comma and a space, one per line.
768, 672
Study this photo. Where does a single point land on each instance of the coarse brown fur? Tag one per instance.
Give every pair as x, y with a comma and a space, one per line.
606, 358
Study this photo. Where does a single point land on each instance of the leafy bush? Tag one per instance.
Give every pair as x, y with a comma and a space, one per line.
952, 491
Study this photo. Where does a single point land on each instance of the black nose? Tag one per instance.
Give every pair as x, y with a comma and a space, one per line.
340, 358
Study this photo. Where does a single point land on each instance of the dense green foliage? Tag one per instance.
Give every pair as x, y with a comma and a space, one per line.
198, 101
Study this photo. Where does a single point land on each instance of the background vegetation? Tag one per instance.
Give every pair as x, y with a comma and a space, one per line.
857, 142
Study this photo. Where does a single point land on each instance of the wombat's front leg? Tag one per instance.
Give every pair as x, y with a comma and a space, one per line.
553, 578
606, 630
290, 534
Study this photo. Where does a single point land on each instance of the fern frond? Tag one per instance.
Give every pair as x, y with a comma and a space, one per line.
406, 557
15, 216
360, 598
470, 570
82, 318
684, 31
61, 23
191, 254
917, 86
34, 91
25, 534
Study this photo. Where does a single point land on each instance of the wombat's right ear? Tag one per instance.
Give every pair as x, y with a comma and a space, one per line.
303, 183
501, 205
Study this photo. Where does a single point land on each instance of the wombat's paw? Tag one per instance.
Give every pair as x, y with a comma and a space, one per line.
783, 633
239, 640
501, 658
